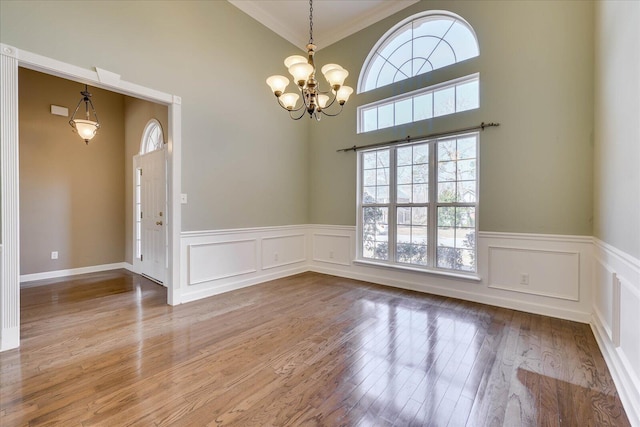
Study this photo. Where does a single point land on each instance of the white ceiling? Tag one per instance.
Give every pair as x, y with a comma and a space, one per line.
333, 20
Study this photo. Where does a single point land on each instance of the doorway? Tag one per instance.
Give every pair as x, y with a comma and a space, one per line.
150, 204
10, 59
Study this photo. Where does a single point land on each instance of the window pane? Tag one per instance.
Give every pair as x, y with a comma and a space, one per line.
370, 120
404, 112
420, 173
374, 232
466, 192
422, 107
467, 148
382, 176
370, 177
420, 193
444, 102
369, 160
404, 193
404, 234
404, 215
369, 195
446, 171
421, 154
447, 150
419, 235
446, 192
404, 156
447, 257
405, 174
383, 158
465, 217
385, 116
467, 96
382, 195
466, 170
419, 216
446, 216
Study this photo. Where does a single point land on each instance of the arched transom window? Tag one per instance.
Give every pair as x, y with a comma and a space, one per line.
152, 137
421, 44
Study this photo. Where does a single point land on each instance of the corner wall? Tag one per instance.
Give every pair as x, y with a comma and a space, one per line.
616, 267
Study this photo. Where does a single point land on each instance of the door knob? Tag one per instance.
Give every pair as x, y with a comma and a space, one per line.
158, 222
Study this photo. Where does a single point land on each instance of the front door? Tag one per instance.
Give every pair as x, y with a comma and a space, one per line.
153, 214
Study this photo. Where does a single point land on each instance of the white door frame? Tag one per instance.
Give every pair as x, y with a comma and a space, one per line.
10, 58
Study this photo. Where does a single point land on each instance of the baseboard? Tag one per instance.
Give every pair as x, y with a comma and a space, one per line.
9, 338
573, 315
627, 386
229, 286
30, 280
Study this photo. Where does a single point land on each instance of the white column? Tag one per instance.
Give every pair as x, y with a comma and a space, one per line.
9, 209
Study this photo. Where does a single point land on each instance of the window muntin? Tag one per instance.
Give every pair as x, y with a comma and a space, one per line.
418, 204
449, 97
152, 137
416, 46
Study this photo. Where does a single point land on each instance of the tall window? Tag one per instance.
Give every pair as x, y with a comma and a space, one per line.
418, 204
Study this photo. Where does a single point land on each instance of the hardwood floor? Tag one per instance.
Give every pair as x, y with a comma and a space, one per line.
311, 349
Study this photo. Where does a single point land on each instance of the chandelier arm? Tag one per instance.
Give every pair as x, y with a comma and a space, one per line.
332, 115
300, 116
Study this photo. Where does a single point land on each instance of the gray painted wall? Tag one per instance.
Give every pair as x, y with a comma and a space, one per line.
617, 125
536, 79
244, 161
71, 194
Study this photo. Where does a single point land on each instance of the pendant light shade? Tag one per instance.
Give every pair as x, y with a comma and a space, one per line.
85, 128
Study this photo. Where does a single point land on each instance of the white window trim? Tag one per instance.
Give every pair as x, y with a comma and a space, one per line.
432, 230
374, 51
151, 124
410, 95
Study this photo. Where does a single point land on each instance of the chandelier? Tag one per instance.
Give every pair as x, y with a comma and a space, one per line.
314, 101
86, 128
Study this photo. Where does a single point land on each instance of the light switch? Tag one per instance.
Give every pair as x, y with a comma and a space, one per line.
183, 198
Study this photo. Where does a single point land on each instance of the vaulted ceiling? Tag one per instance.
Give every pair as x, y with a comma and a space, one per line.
333, 20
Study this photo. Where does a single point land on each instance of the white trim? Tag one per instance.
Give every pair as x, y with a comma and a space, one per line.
402, 267
26, 280
10, 200
622, 272
537, 237
228, 231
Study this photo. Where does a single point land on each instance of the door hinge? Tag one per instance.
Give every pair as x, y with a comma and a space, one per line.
141, 257
140, 214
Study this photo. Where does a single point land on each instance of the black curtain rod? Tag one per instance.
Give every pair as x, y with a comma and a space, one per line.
482, 126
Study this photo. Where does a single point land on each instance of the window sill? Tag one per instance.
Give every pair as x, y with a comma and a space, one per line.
470, 277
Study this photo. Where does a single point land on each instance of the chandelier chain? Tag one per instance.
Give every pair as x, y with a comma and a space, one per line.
310, 21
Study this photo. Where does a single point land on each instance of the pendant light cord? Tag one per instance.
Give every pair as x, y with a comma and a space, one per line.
310, 21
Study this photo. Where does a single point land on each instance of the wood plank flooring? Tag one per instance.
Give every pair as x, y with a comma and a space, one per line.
309, 350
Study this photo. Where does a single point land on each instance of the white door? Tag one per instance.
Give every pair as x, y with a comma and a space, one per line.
153, 212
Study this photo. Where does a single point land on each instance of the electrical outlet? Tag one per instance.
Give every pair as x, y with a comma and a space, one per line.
54, 255
183, 198
524, 278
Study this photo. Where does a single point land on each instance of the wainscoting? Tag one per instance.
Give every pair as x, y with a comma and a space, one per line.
557, 270
616, 320
213, 262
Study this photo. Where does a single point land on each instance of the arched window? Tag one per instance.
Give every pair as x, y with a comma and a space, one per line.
415, 46
152, 137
